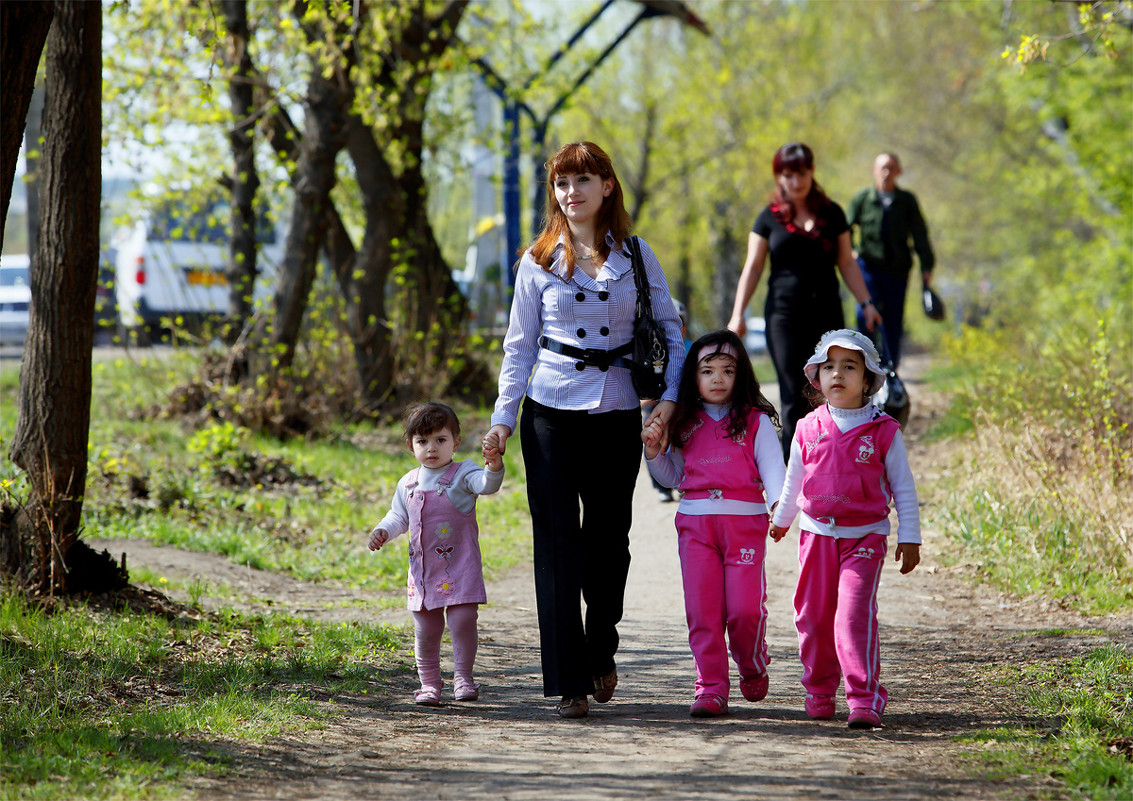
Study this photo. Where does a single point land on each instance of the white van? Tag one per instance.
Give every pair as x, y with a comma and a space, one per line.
15, 298
171, 266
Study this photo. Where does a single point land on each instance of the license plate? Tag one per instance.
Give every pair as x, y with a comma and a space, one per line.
205, 278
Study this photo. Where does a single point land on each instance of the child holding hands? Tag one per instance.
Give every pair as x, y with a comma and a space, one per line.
436, 504
725, 456
847, 463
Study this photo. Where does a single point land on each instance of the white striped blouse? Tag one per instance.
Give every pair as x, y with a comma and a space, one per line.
585, 313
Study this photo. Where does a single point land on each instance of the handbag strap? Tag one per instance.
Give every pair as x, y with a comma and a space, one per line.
644, 302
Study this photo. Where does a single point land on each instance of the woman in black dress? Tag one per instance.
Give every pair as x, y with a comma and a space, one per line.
807, 236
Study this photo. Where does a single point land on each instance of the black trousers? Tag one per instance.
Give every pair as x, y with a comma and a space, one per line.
581, 472
791, 340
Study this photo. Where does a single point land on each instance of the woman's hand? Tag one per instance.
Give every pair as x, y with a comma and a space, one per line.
496, 438
871, 316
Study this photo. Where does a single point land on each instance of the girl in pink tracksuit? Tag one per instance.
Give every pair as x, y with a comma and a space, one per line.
726, 459
436, 504
847, 463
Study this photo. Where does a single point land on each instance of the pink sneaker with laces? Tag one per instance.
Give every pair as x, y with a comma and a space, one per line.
708, 706
820, 707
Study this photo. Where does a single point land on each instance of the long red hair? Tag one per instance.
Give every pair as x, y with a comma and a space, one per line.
575, 158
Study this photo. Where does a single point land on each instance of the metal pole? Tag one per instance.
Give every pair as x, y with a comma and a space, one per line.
513, 235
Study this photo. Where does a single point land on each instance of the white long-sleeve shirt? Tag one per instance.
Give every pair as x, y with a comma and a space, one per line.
470, 481
669, 468
897, 473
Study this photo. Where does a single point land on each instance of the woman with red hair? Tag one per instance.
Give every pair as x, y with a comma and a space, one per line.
571, 328
807, 237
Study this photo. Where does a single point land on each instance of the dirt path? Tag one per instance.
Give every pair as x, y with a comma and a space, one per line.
938, 631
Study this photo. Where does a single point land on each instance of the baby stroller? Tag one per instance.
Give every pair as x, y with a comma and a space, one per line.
892, 398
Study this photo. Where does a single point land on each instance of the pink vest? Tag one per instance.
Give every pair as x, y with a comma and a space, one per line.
845, 482
444, 548
718, 466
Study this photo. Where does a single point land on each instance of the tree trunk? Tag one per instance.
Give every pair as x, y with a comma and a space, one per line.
437, 307
323, 138
24, 27
50, 441
363, 282
242, 269
328, 104
361, 276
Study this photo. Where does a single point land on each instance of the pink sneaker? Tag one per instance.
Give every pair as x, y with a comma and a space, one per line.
864, 718
427, 696
820, 707
708, 706
754, 688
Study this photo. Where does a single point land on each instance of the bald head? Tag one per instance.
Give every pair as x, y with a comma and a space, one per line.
886, 169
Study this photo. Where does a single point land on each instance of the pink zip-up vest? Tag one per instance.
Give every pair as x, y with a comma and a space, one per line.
718, 466
845, 482
444, 548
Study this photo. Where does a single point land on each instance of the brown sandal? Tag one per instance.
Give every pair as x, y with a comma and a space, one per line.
604, 686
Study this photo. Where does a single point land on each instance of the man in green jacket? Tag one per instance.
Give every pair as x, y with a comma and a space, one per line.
887, 219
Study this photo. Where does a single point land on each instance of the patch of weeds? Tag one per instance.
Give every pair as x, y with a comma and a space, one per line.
1078, 718
111, 701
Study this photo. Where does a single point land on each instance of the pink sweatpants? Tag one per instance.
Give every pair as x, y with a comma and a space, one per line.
429, 626
836, 617
725, 590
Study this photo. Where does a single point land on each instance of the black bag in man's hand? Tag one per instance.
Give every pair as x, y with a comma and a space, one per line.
933, 305
650, 346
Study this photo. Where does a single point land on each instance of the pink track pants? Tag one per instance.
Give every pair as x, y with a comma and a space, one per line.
429, 626
725, 590
836, 617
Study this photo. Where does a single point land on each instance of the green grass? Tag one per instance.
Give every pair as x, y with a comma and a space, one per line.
101, 704
1076, 725
97, 704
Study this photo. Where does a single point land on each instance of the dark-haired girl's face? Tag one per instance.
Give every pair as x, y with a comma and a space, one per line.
436, 448
716, 379
795, 184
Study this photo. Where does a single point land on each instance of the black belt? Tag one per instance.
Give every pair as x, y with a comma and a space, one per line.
602, 359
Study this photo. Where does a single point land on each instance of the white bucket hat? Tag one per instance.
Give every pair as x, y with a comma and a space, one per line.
853, 340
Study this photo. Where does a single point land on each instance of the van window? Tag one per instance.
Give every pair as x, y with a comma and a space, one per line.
179, 221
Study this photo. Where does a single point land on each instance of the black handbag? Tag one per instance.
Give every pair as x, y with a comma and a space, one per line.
650, 354
933, 305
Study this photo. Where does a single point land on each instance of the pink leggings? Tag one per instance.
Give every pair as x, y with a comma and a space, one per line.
430, 626
836, 617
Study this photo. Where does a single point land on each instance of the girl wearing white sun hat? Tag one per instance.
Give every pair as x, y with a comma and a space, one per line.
847, 464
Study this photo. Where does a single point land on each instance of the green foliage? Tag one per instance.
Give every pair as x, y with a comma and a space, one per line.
81, 719
1044, 484
1079, 719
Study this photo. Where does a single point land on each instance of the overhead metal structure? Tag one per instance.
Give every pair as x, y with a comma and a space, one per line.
513, 101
